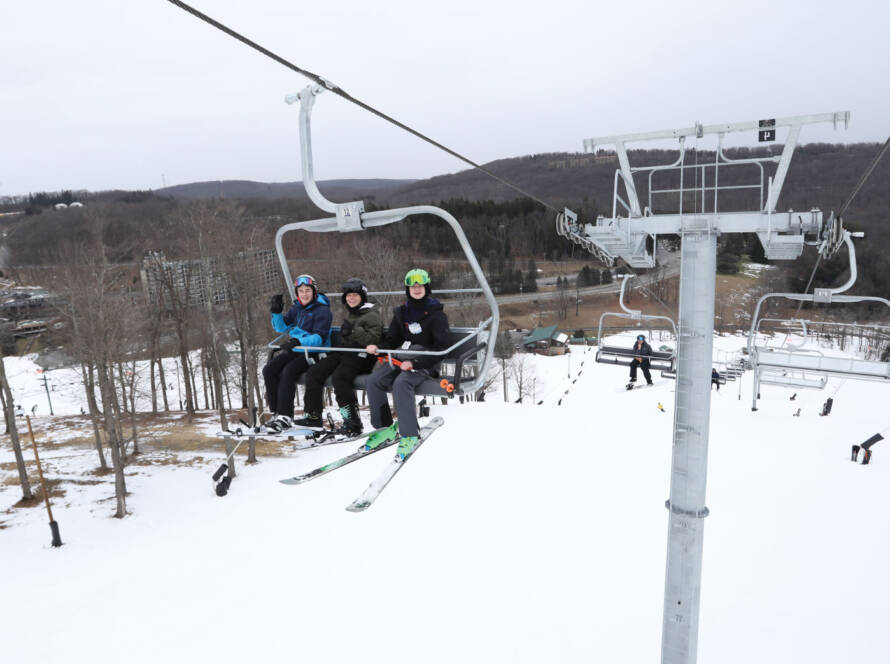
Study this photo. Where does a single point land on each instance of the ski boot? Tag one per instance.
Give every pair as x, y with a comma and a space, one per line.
310, 421
377, 438
352, 423
407, 444
279, 423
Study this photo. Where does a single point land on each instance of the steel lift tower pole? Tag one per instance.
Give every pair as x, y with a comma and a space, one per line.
633, 238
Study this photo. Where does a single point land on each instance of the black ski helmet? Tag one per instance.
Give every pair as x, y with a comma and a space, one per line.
354, 285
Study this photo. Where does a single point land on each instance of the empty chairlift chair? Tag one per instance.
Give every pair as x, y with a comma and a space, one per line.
796, 367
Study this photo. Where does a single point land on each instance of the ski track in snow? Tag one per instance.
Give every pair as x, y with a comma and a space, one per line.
517, 533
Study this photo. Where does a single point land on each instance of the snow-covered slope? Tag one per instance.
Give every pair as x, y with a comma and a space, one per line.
517, 533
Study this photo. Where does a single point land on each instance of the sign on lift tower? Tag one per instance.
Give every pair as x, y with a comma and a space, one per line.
633, 238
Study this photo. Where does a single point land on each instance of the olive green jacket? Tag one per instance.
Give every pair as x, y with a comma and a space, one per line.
362, 327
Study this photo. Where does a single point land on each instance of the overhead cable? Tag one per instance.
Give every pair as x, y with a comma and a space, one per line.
337, 90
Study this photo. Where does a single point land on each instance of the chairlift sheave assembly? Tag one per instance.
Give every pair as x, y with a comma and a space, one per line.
468, 358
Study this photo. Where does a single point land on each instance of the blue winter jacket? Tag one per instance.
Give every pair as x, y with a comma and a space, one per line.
309, 325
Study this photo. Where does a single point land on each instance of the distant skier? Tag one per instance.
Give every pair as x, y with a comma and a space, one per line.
363, 326
715, 378
309, 324
419, 324
642, 352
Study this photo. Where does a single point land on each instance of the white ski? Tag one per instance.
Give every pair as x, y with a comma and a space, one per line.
376, 487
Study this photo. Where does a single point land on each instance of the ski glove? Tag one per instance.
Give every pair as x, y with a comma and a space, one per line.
346, 328
276, 304
305, 339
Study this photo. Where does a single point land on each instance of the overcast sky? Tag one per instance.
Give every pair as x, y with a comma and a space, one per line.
106, 94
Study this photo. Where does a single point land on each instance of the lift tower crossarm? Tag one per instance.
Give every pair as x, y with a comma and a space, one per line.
698, 130
793, 123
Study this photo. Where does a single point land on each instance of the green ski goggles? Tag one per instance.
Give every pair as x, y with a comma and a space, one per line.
417, 276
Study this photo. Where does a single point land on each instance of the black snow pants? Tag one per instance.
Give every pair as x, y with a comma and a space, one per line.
342, 368
280, 376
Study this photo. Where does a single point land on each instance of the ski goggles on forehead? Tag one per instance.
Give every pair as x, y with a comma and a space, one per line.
415, 277
304, 280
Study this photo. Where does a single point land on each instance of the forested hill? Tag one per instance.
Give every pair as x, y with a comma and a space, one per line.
272, 190
821, 175
499, 223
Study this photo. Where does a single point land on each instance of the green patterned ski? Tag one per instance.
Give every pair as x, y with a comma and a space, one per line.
338, 463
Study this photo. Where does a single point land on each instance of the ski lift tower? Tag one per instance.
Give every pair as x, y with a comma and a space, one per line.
633, 238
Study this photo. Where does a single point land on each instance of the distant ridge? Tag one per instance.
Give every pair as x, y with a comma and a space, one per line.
821, 174
272, 190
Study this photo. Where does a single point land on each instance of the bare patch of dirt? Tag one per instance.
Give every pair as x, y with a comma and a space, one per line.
55, 492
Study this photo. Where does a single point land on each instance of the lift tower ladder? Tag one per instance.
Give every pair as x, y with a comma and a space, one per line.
783, 236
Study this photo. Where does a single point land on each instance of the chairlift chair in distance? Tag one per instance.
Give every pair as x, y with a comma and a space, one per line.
467, 360
795, 367
622, 356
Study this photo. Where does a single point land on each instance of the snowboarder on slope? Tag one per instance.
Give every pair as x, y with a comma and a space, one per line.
642, 352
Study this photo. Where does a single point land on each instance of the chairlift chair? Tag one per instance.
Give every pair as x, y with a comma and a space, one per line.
467, 359
796, 367
663, 361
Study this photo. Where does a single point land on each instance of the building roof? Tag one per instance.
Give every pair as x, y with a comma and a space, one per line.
540, 334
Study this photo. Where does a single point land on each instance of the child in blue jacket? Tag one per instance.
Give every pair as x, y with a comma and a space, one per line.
308, 323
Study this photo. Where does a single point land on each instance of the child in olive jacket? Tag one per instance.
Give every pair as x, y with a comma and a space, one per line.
363, 326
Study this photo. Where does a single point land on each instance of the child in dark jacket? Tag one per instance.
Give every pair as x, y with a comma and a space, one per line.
308, 323
363, 326
642, 353
419, 324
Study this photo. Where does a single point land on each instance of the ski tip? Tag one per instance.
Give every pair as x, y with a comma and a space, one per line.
358, 507
291, 480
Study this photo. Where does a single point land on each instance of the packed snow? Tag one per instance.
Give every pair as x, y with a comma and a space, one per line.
516, 533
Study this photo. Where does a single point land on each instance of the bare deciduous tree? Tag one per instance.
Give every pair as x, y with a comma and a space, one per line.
521, 374
9, 410
94, 290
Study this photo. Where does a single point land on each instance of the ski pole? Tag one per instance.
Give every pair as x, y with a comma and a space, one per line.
53, 526
444, 384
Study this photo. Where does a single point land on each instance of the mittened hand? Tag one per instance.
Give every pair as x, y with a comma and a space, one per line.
276, 303
346, 328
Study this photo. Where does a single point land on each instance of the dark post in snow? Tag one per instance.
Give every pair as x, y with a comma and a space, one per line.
46, 387
53, 526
